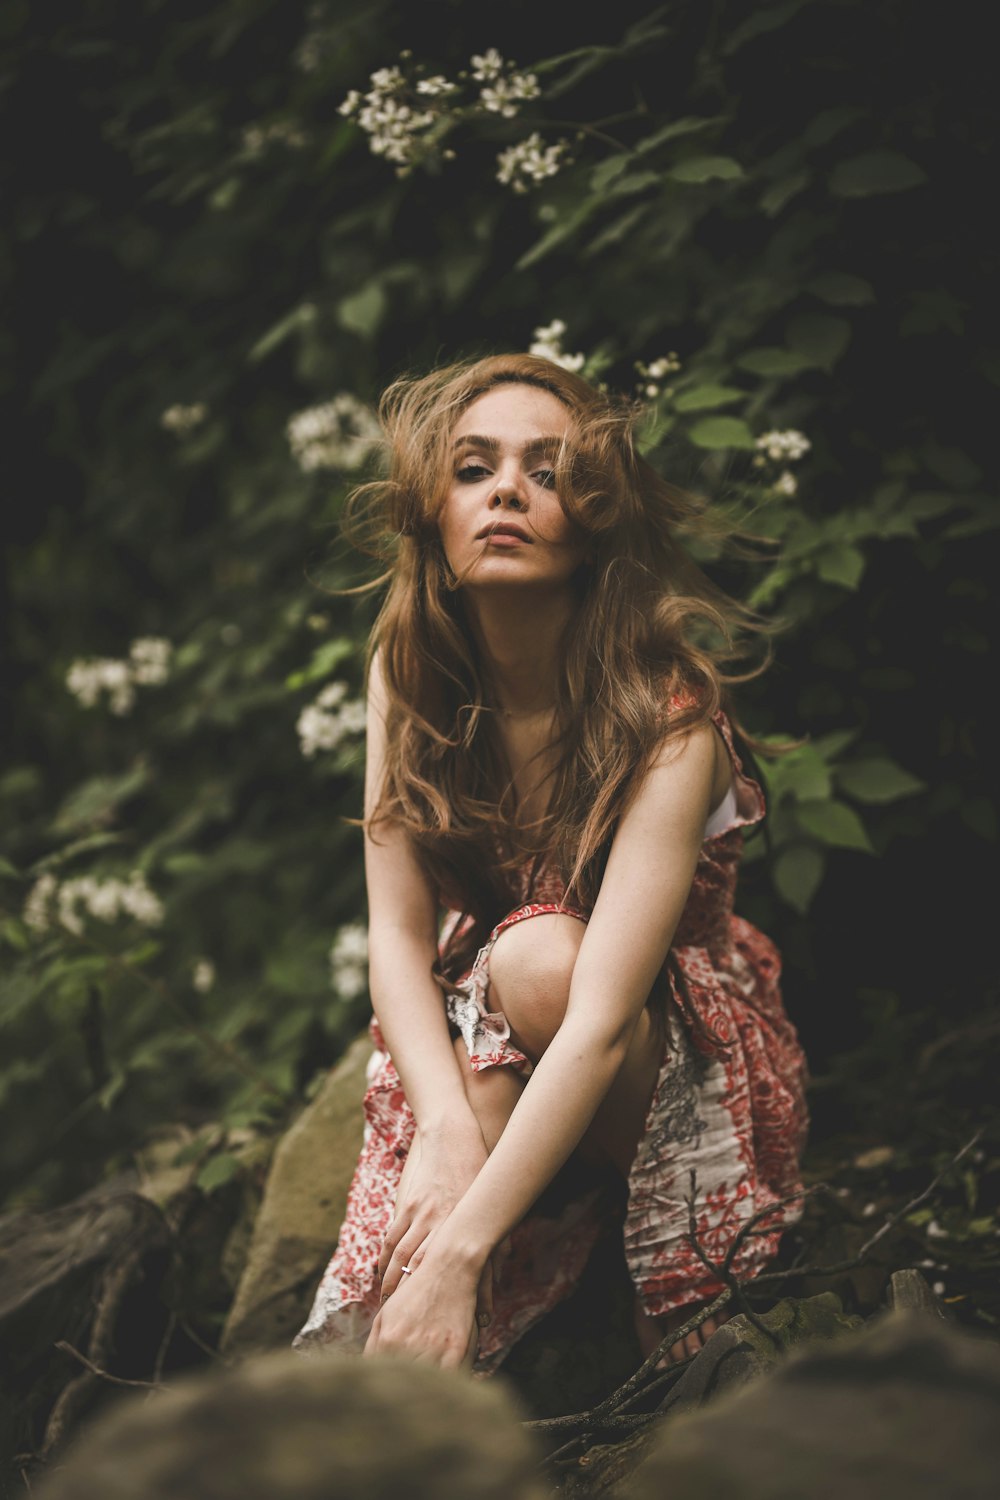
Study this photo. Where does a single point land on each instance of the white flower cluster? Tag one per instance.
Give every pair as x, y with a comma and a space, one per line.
349, 961
148, 665
339, 434
504, 89
530, 162
49, 900
183, 419
327, 722
203, 976
256, 138
652, 375
393, 124
787, 447
400, 110
548, 345
782, 447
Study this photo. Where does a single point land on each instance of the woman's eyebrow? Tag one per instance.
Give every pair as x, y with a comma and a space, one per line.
533, 445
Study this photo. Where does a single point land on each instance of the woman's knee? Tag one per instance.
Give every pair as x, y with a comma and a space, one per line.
531, 968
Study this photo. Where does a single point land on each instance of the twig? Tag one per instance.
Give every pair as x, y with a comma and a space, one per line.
609, 1414
114, 1284
890, 1223
145, 1385
723, 1269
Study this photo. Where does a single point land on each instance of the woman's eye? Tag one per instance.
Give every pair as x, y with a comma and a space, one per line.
546, 478
472, 473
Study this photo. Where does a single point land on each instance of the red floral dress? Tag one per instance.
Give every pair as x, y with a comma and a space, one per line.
729, 1107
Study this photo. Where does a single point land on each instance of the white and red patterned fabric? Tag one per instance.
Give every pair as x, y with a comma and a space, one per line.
729, 1107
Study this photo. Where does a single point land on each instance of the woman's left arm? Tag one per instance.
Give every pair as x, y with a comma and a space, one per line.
643, 892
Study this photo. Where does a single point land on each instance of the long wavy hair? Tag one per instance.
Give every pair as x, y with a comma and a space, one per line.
649, 625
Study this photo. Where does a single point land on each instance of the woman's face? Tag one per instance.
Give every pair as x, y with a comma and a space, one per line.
501, 523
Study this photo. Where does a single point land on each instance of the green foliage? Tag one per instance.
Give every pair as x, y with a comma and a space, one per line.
213, 249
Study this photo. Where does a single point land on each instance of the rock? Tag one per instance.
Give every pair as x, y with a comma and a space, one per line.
908, 1409
308, 1429
740, 1352
301, 1213
909, 1292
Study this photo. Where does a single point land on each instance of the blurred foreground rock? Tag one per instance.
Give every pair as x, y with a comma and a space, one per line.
908, 1409
286, 1427
303, 1208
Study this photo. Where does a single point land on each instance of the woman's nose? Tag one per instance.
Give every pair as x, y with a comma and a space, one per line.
507, 493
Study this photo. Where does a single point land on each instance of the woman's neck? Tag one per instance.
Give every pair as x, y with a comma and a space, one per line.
521, 642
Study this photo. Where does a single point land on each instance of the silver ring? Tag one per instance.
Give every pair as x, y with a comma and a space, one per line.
407, 1270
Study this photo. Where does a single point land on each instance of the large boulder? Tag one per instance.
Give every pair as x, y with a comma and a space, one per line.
908, 1409
302, 1210
326, 1428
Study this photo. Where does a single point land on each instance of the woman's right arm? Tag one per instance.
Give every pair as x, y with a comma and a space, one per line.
409, 1005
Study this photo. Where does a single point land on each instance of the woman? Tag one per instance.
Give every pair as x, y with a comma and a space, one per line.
549, 763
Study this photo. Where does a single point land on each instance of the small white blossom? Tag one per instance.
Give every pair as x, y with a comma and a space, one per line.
86, 680
487, 66
183, 419
148, 666
869, 1210
203, 977
257, 137
787, 446
505, 95
935, 1232
149, 658
326, 722
349, 961
530, 162
786, 483
350, 104
37, 912
340, 434
436, 86
548, 345
938, 1288
106, 900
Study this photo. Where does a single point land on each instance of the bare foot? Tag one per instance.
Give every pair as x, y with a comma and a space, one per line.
652, 1331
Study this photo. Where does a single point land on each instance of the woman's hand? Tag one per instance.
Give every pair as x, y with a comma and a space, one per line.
438, 1171
432, 1316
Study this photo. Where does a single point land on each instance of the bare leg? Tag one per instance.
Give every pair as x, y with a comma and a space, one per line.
531, 968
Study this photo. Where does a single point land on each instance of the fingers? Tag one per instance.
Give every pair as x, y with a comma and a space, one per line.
409, 1252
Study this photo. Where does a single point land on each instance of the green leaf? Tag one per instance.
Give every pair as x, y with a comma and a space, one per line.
299, 317
705, 169
704, 397
841, 289
842, 564
217, 1171
774, 361
363, 311
775, 196
761, 20
829, 123
875, 172
565, 227
797, 873
11, 872
97, 800
607, 170
686, 125
877, 780
833, 823
14, 935
819, 338
722, 432
324, 660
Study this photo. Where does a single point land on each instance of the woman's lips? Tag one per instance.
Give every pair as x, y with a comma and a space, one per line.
505, 539
505, 531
